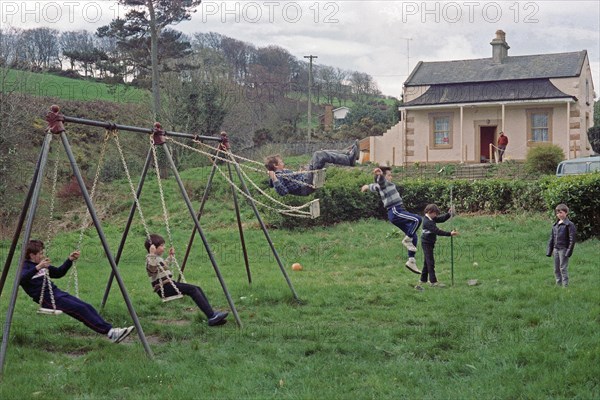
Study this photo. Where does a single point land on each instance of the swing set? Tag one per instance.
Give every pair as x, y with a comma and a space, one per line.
159, 137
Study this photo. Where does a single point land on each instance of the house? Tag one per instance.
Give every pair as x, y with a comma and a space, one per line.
454, 111
333, 117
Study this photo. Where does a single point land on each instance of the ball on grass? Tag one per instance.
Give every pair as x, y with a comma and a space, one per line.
475, 264
296, 267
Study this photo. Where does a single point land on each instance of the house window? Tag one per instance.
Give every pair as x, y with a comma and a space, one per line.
440, 131
539, 126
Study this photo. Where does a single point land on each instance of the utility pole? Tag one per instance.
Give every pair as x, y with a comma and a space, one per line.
407, 55
310, 57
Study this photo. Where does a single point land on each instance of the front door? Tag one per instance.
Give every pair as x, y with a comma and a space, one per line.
487, 134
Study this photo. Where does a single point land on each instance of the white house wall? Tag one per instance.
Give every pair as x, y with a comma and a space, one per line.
409, 140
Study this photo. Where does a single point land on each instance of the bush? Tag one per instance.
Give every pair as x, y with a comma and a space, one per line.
580, 194
594, 138
341, 199
544, 159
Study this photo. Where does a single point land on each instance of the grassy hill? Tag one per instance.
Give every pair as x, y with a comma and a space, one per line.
361, 331
49, 85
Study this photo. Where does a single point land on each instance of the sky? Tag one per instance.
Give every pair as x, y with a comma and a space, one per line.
385, 39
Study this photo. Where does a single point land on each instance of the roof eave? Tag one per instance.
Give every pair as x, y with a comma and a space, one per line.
569, 99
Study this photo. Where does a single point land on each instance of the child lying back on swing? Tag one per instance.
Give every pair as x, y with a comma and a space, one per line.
32, 281
299, 183
162, 281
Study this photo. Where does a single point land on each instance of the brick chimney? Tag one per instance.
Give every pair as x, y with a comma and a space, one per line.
499, 47
328, 120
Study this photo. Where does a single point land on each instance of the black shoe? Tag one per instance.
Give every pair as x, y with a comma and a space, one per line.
353, 153
218, 319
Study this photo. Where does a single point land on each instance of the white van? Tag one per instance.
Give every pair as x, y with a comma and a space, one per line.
578, 166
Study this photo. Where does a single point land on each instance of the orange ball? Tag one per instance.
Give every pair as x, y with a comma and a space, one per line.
296, 267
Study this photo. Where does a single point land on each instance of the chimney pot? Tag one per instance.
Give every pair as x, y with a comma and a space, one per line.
499, 47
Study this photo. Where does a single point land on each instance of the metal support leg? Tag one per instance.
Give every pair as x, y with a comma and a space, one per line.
199, 215
13, 245
127, 226
266, 232
240, 228
37, 184
107, 251
206, 245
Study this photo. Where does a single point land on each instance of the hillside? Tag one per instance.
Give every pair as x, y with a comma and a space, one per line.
50, 85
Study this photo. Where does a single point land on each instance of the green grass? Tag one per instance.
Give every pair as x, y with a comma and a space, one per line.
362, 331
49, 85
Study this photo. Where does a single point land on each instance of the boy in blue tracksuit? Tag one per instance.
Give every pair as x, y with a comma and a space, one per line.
428, 238
407, 222
36, 265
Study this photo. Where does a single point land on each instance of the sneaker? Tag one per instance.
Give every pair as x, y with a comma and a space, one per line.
218, 319
411, 264
407, 242
437, 285
354, 153
117, 335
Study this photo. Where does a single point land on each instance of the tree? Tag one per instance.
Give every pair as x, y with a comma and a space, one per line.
148, 18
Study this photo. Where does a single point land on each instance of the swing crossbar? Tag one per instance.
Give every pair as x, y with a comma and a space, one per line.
48, 311
109, 125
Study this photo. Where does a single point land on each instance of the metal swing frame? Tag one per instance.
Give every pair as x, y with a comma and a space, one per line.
27, 216
158, 139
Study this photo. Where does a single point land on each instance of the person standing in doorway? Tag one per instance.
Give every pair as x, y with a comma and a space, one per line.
502, 143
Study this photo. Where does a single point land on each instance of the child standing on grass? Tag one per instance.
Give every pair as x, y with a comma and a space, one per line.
32, 281
428, 239
561, 244
160, 275
407, 222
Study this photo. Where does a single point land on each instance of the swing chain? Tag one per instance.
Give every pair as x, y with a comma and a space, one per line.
165, 211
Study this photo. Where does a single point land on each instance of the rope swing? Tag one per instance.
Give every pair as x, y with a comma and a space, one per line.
285, 209
162, 271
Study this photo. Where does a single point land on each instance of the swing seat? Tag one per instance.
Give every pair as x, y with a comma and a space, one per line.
171, 298
315, 209
319, 178
48, 311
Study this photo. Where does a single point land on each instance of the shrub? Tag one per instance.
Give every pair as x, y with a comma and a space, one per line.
544, 159
580, 194
341, 199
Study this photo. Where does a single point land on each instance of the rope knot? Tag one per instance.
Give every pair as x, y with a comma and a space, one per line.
55, 120
225, 145
158, 134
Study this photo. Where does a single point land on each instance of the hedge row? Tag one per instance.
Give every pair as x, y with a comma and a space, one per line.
342, 200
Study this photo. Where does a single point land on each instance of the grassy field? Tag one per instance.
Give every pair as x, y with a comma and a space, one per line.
361, 330
49, 85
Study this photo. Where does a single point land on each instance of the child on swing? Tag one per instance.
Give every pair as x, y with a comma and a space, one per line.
299, 183
32, 281
407, 222
160, 275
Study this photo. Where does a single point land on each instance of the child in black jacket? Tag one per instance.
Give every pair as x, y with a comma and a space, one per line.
561, 244
428, 239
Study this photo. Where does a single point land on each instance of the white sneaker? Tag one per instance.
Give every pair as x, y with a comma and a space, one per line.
117, 335
407, 242
411, 264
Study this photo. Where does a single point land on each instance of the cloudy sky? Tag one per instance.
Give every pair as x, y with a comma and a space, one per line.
385, 39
